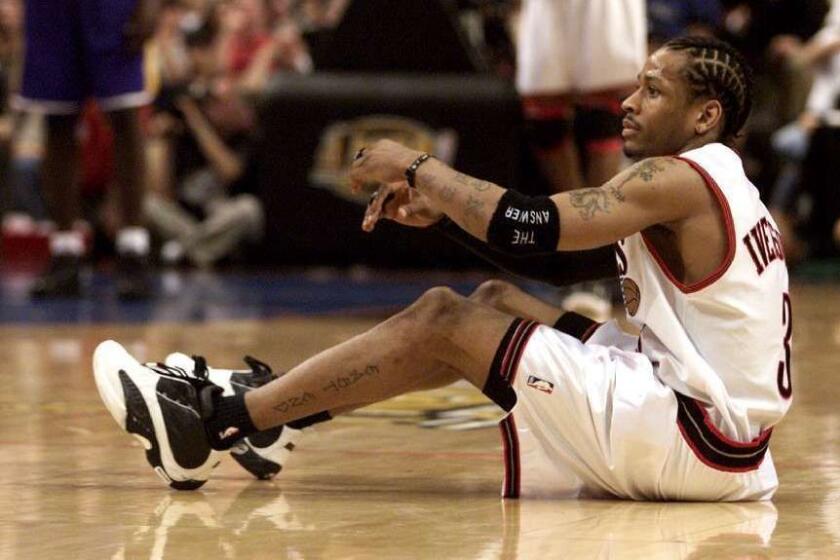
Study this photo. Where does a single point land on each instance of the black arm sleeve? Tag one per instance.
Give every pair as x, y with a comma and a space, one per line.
559, 269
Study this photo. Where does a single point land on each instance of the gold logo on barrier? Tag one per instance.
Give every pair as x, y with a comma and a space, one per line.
341, 140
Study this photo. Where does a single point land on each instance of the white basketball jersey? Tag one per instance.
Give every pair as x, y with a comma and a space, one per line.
724, 341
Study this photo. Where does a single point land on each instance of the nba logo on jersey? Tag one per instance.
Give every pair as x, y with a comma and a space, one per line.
540, 384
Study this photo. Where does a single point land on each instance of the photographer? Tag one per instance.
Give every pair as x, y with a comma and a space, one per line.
198, 159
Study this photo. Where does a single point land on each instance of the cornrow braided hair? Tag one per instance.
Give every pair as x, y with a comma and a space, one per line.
715, 69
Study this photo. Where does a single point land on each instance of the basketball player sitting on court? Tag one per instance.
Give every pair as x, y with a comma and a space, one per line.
684, 411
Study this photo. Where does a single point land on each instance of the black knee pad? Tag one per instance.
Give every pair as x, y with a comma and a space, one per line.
548, 123
595, 124
546, 135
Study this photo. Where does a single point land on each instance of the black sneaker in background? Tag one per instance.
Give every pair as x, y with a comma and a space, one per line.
134, 281
61, 279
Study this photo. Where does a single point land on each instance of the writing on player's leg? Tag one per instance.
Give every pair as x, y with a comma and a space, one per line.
440, 338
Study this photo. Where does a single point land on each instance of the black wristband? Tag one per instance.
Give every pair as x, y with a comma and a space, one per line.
411, 170
524, 225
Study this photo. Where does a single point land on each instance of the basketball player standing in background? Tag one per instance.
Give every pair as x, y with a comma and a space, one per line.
683, 411
576, 60
75, 50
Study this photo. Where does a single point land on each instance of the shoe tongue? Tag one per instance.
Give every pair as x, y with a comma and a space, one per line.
258, 367
200, 367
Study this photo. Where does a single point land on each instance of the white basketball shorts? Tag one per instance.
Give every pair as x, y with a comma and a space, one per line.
579, 45
592, 419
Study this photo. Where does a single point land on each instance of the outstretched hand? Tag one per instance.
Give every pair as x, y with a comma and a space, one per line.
384, 161
398, 202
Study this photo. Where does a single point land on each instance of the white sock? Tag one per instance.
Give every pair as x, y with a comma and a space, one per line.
133, 239
67, 243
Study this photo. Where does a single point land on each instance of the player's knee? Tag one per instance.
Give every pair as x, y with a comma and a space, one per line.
493, 292
598, 125
548, 135
548, 121
437, 306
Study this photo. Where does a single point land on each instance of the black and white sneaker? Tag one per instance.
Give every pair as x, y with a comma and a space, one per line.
262, 454
162, 407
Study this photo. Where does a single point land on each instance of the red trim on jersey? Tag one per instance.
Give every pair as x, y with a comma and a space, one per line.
730, 238
711, 446
518, 345
758, 440
590, 331
510, 448
504, 370
711, 464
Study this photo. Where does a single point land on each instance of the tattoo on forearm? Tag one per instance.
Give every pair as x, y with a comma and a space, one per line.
590, 202
474, 207
294, 402
476, 184
342, 382
447, 193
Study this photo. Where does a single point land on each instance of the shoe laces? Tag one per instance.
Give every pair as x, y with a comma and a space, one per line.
199, 373
206, 391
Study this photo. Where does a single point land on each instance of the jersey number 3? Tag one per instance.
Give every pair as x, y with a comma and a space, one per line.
783, 378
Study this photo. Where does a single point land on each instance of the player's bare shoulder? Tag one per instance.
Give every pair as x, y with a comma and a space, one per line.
668, 186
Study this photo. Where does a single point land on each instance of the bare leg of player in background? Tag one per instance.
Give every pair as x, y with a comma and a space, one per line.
58, 175
59, 183
133, 281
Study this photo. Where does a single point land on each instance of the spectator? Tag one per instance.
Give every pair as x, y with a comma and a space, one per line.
671, 18
198, 209
575, 61
21, 136
792, 142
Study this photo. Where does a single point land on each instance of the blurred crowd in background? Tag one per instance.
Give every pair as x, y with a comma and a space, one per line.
210, 61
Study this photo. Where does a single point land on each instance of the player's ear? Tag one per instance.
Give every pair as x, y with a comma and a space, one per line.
709, 115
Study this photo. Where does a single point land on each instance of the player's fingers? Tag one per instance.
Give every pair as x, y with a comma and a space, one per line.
371, 216
374, 208
410, 209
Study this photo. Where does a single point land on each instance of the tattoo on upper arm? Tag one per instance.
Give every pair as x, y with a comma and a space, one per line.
590, 202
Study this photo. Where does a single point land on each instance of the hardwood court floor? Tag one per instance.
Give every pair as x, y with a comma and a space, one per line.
377, 485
